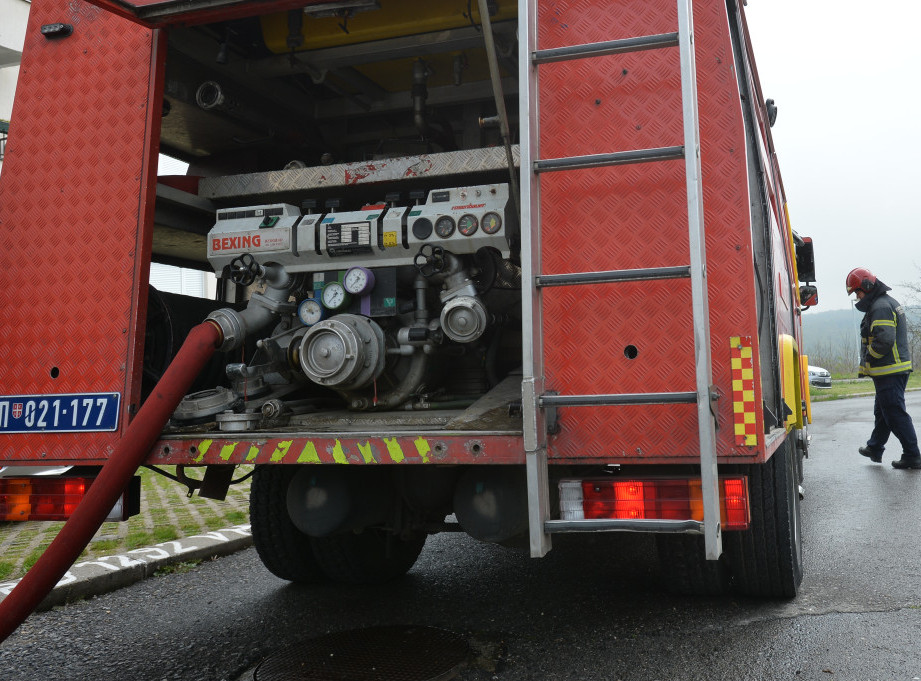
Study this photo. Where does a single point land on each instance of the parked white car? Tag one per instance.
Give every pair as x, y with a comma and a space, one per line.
819, 377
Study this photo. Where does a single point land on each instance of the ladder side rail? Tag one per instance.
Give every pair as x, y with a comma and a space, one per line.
696, 233
534, 423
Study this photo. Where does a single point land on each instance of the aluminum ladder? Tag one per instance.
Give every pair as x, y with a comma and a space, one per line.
535, 401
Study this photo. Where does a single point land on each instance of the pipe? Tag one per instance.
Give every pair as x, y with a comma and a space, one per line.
496, 79
114, 476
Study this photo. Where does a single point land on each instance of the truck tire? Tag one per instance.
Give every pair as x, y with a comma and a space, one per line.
371, 556
767, 560
685, 569
284, 550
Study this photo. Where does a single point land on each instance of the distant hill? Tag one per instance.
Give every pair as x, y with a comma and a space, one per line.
829, 332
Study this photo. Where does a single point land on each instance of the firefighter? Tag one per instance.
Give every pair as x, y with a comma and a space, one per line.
885, 357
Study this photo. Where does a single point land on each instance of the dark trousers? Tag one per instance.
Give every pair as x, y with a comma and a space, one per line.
891, 417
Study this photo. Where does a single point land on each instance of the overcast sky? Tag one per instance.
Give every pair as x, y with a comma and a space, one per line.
846, 77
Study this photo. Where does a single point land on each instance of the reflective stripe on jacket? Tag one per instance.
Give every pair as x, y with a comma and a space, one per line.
884, 337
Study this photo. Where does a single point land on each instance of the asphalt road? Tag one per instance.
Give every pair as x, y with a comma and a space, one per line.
593, 609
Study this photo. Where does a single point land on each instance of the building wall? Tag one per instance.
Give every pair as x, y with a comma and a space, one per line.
14, 15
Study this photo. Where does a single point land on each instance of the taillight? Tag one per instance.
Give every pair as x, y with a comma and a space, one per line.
41, 498
653, 499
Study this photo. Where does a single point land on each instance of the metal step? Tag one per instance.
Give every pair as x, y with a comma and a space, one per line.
611, 525
617, 158
649, 42
612, 276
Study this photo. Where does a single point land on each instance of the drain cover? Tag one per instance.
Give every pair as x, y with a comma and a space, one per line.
374, 654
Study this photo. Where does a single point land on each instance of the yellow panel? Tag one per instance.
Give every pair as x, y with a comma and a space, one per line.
394, 18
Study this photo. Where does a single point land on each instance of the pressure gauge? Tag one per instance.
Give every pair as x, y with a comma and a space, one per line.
492, 223
358, 281
310, 311
335, 296
444, 226
467, 224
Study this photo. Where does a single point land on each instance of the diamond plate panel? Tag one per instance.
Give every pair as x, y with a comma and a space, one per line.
614, 218
259, 185
70, 204
636, 216
576, 22
619, 338
614, 103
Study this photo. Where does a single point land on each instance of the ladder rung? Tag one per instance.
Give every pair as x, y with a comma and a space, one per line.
622, 399
618, 158
615, 525
647, 274
649, 42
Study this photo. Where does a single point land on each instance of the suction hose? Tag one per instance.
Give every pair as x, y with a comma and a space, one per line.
115, 475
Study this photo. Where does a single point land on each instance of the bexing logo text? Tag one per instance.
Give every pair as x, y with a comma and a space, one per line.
235, 243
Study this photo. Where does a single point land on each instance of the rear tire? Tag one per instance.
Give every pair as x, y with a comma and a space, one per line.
767, 560
284, 550
685, 569
371, 556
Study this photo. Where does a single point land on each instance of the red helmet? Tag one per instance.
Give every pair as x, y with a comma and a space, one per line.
860, 279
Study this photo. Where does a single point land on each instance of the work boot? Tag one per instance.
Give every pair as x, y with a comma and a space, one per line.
907, 462
875, 457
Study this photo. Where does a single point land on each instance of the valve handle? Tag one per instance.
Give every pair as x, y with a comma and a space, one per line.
431, 261
244, 270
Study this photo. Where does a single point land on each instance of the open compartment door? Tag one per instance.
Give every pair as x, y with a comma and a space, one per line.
158, 13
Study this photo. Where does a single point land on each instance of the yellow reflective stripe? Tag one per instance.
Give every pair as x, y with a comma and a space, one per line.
203, 449
873, 353
309, 454
882, 322
281, 451
890, 369
339, 453
394, 449
366, 452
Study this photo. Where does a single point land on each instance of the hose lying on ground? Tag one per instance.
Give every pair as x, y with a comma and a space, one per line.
114, 476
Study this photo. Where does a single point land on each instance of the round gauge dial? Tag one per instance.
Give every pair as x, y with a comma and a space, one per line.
492, 222
310, 311
444, 226
358, 281
422, 229
467, 224
335, 296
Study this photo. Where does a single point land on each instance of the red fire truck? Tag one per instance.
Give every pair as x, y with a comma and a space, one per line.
514, 269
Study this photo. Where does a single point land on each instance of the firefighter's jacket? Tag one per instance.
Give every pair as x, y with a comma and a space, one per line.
883, 335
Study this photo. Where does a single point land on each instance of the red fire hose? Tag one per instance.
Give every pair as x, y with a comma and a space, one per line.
115, 475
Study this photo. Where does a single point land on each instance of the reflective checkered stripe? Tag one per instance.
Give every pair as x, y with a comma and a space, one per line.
743, 391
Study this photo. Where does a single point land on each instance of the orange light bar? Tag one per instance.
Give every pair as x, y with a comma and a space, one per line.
56, 498
665, 499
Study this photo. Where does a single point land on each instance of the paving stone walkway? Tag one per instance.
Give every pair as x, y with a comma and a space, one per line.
167, 513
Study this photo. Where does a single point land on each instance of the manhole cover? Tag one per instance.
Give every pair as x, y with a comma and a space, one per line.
374, 654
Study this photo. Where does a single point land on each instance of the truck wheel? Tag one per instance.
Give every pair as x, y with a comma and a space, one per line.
284, 550
767, 559
371, 556
685, 570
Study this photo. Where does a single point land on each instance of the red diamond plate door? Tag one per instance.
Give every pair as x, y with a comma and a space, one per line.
637, 337
76, 211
